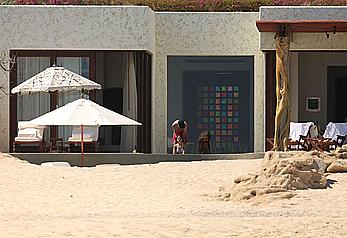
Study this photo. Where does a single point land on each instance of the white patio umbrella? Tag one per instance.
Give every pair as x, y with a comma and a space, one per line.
55, 78
82, 112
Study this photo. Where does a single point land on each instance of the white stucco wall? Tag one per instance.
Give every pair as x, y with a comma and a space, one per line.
135, 28
206, 34
70, 28
77, 27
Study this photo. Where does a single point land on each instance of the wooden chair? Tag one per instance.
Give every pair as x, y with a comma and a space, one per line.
300, 144
56, 145
334, 136
204, 143
297, 136
90, 138
326, 144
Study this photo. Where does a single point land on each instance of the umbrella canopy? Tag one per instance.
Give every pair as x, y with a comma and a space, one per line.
55, 78
82, 112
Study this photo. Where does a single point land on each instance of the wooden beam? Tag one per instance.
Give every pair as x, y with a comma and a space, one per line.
308, 26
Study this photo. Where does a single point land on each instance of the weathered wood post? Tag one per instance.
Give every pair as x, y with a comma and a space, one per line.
282, 117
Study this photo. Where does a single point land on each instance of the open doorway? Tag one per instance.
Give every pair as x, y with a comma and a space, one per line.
337, 85
110, 73
214, 94
125, 78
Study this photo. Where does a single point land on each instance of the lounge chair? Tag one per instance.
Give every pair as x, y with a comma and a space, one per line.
334, 136
29, 136
336, 132
298, 133
90, 137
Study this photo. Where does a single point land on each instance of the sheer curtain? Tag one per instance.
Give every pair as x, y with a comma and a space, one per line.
128, 134
36, 104
79, 65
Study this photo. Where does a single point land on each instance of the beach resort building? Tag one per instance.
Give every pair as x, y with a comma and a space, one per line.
215, 70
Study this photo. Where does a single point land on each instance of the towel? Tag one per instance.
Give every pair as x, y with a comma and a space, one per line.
28, 134
335, 129
299, 129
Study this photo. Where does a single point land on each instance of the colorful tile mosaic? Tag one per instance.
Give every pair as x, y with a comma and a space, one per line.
218, 112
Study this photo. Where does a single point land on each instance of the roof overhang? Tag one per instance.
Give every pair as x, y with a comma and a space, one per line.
308, 26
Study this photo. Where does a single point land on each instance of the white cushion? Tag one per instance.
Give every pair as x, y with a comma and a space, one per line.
26, 139
75, 134
28, 134
90, 133
72, 139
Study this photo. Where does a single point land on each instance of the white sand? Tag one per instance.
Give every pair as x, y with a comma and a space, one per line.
160, 200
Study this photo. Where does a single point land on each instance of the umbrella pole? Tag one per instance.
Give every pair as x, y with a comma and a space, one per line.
82, 152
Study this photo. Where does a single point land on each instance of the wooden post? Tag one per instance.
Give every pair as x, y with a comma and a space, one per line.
282, 117
82, 147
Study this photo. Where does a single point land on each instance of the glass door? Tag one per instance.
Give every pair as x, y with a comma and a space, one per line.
30, 106
30, 63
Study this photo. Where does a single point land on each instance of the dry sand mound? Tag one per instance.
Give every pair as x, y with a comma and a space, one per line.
282, 174
8, 157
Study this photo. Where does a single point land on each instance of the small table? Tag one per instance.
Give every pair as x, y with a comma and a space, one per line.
56, 145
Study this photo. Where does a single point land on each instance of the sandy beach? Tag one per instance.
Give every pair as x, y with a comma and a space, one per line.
158, 200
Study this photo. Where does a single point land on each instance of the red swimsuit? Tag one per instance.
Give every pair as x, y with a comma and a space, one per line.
177, 134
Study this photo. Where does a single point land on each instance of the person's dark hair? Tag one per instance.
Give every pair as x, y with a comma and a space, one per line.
181, 124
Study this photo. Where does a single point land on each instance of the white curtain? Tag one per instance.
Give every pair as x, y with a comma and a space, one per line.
79, 65
36, 104
128, 134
